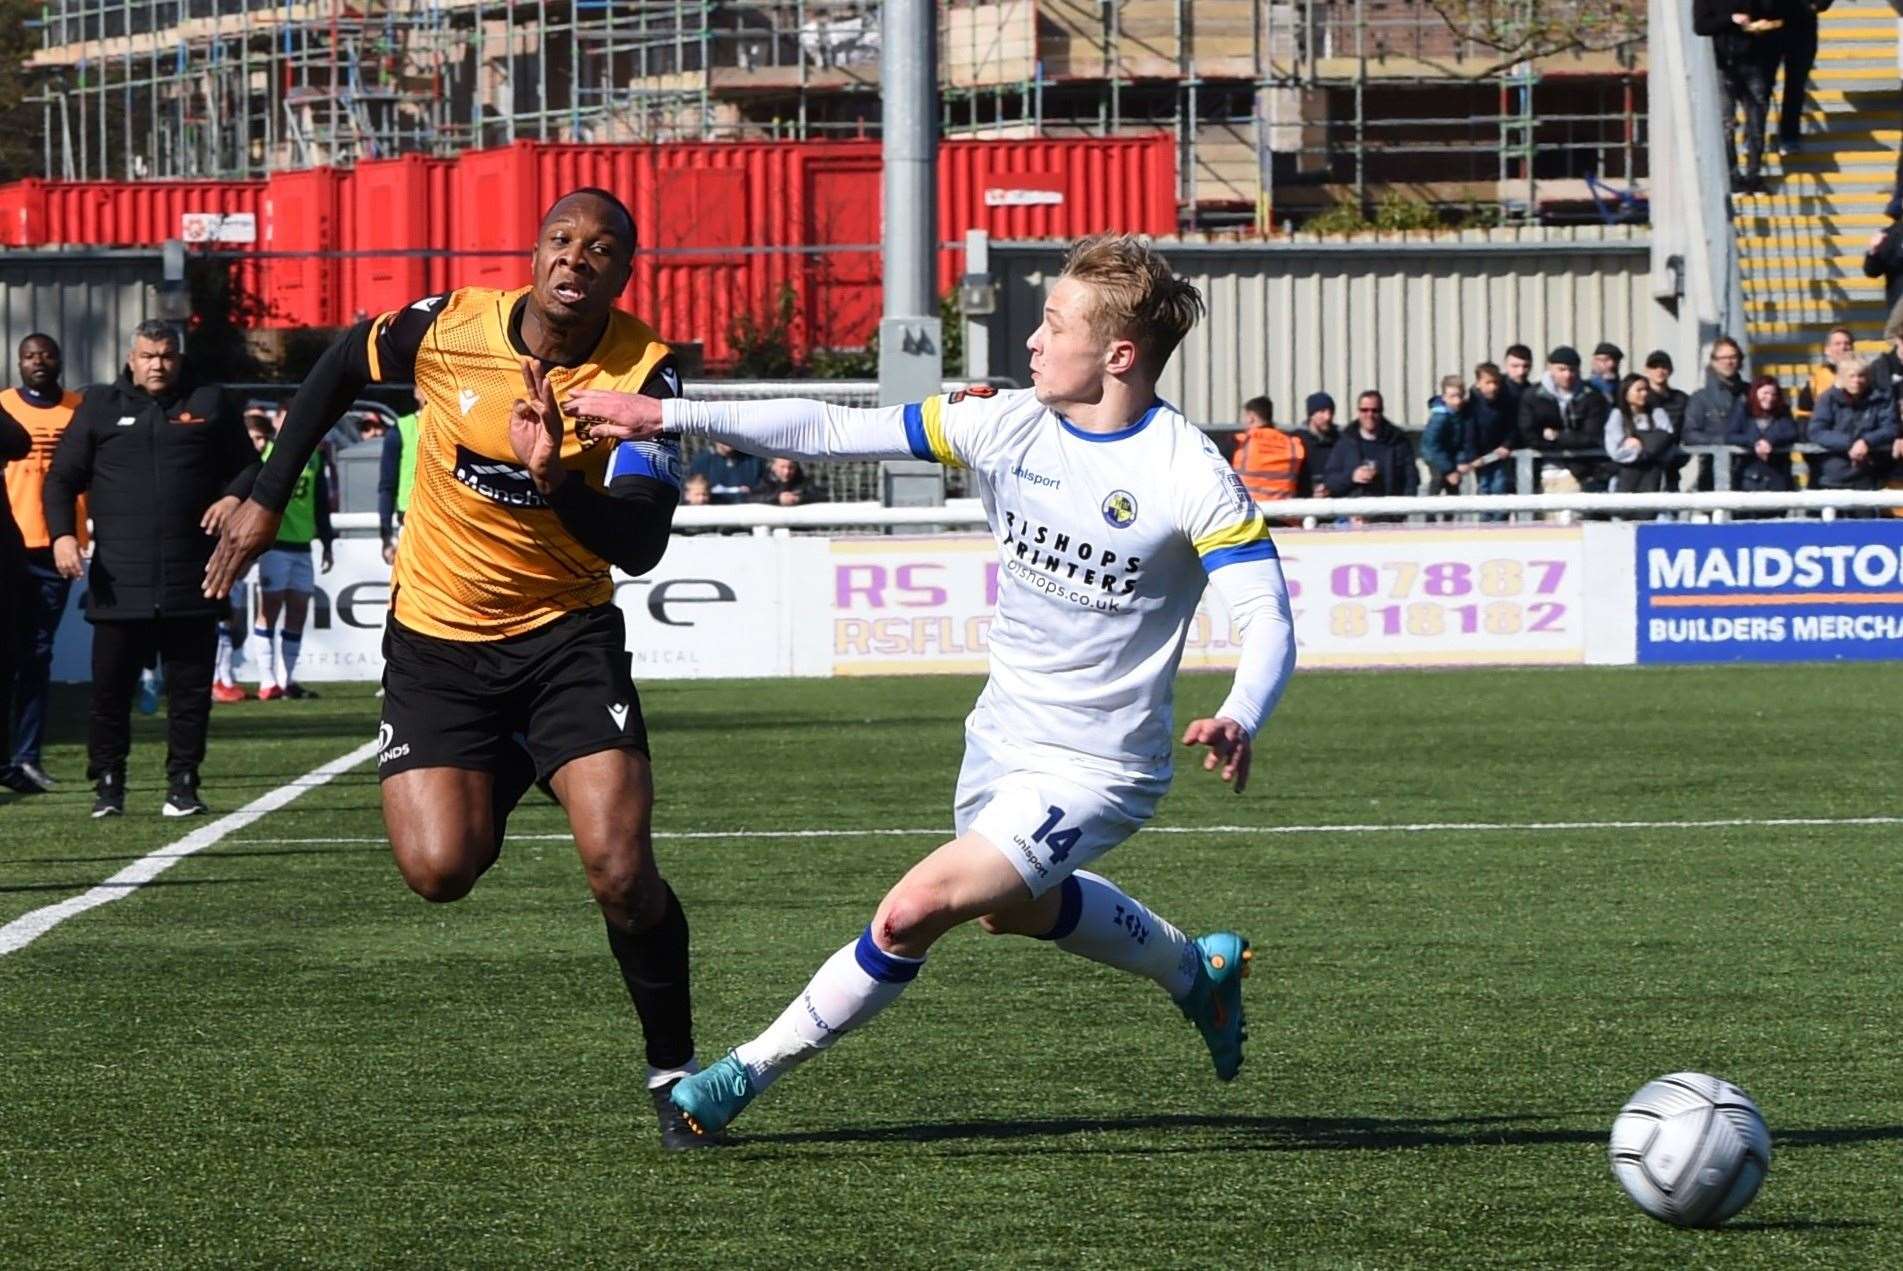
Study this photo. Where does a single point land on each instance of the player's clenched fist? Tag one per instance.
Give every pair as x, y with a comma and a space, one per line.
623, 416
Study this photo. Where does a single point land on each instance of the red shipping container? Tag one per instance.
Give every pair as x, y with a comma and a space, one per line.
301, 214
140, 213
23, 213
400, 206
696, 205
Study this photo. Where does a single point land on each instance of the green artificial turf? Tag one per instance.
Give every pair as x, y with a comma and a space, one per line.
276, 1056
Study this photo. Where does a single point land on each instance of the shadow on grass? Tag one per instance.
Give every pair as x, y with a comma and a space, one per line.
1289, 1134
1802, 1224
1272, 1133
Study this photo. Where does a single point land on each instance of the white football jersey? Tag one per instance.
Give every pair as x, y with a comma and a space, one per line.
1105, 543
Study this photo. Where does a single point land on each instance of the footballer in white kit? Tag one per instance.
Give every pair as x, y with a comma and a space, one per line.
1111, 513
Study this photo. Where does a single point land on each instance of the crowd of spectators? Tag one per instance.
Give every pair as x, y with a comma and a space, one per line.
1611, 431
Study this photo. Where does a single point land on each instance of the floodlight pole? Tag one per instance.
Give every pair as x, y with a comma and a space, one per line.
911, 362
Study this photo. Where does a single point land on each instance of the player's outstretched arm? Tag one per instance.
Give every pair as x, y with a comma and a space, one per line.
788, 427
333, 384
1256, 595
627, 524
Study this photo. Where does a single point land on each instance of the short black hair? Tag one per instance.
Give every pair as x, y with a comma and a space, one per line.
1261, 407
1520, 351
31, 336
595, 191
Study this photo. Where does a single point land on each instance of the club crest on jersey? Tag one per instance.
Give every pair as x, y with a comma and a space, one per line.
972, 390
1120, 509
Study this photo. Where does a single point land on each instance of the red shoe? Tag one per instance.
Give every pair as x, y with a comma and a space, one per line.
269, 692
228, 693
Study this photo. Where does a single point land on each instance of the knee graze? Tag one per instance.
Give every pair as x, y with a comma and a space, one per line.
908, 909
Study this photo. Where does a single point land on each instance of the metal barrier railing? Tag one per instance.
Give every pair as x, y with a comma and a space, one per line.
969, 513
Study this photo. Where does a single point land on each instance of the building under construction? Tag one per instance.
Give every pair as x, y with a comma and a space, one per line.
1278, 107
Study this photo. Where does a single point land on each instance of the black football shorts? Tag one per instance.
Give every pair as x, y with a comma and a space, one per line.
561, 691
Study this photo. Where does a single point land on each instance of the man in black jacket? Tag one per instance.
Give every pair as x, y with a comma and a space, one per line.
1373, 458
165, 461
1564, 413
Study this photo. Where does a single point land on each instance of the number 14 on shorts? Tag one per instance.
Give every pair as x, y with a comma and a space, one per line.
1060, 843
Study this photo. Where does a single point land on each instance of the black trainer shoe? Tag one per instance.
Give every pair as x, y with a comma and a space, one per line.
37, 776
109, 793
677, 1135
182, 799
298, 693
18, 781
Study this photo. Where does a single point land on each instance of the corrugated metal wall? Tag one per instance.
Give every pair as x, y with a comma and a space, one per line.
88, 301
1344, 315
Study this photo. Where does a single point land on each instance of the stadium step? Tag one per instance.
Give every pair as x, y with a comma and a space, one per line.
1801, 244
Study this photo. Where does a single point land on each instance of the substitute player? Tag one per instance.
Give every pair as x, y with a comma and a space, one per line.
505, 657
286, 581
1111, 512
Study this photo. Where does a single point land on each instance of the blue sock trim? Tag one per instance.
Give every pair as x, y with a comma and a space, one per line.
1070, 909
261, 632
292, 637
880, 965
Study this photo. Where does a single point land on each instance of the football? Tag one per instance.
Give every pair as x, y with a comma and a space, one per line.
1690, 1149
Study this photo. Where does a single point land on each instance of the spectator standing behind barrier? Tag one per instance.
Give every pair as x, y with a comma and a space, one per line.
1674, 402
731, 476
1319, 435
1444, 442
1856, 427
1639, 438
1838, 345
1517, 362
165, 461
43, 409
1605, 377
787, 485
1762, 427
1708, 415
1564, 413
396, 477
1493, 430
1269, 461
1374, 458
1745, 41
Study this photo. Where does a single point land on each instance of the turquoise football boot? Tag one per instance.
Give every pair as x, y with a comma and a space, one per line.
1214, 1002
712, 1097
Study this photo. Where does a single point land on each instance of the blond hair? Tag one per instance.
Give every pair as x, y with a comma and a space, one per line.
1136, 296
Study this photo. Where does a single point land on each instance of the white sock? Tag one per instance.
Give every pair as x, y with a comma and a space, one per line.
855, 984
267, 657
292, 642
221, 674
658, 1077
1098, 921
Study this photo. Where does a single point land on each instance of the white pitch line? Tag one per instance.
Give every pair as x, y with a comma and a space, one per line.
24, 930
1417, 827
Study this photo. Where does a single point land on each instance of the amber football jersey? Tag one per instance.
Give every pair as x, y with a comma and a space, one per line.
483, 556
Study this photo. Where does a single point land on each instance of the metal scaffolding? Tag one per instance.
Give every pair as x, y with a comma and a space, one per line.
1279, 107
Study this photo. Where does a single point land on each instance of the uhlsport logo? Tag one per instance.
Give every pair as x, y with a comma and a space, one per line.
386, 753
1120, 509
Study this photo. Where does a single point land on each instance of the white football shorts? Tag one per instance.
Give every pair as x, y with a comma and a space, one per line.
286, 569
1048, 826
